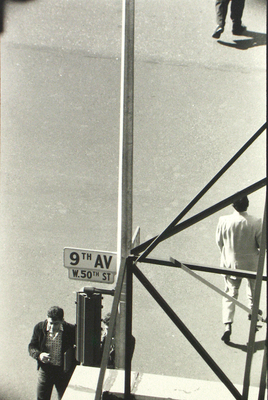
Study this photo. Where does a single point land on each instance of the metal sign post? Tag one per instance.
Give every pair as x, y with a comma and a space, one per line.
125, 197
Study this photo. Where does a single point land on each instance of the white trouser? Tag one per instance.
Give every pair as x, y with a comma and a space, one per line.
232, 289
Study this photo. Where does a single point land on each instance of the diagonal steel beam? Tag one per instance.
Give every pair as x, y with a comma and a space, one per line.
213, 287
186, 332
198, 217
255, 308
158, 239
106, 350
263, 382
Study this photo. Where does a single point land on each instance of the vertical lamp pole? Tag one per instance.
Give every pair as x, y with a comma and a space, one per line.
125, 197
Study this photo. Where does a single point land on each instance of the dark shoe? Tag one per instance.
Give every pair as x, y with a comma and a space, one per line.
239, 30
226, 336
218, 32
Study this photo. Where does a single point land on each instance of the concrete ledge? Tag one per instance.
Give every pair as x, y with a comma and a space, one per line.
83, 385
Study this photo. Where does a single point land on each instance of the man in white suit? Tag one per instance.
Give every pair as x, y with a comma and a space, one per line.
238, 237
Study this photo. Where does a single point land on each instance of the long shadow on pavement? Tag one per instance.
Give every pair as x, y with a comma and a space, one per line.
243, 347
254, 39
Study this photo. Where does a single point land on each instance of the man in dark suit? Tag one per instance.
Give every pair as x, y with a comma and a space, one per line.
237, 7
52, 344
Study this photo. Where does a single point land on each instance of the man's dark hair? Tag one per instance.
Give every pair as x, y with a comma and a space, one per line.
241, 204
55, 313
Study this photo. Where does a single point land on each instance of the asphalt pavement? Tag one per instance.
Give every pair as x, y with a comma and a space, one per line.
197, 101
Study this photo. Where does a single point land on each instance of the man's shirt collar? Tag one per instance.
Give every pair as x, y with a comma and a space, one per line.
61, 327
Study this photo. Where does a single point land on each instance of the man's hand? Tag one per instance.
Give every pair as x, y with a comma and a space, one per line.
45, 358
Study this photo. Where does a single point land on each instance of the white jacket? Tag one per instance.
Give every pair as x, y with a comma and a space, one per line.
238, 237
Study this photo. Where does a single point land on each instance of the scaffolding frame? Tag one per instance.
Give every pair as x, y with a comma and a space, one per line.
129, 258
140, 253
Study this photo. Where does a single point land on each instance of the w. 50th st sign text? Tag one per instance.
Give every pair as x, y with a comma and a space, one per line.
90, 265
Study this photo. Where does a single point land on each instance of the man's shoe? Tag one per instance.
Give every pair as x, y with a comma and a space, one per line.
226, 336
239, 30
218, 32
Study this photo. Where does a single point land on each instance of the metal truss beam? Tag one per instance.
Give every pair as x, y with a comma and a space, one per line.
197, 218
186, 332
162, 235
203, 268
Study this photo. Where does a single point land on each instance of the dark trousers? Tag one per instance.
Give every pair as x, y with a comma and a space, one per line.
49, 377
237, 8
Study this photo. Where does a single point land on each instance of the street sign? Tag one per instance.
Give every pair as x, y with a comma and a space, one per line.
90, 265
89, 275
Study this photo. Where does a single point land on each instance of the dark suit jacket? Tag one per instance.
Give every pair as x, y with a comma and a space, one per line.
38, 341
